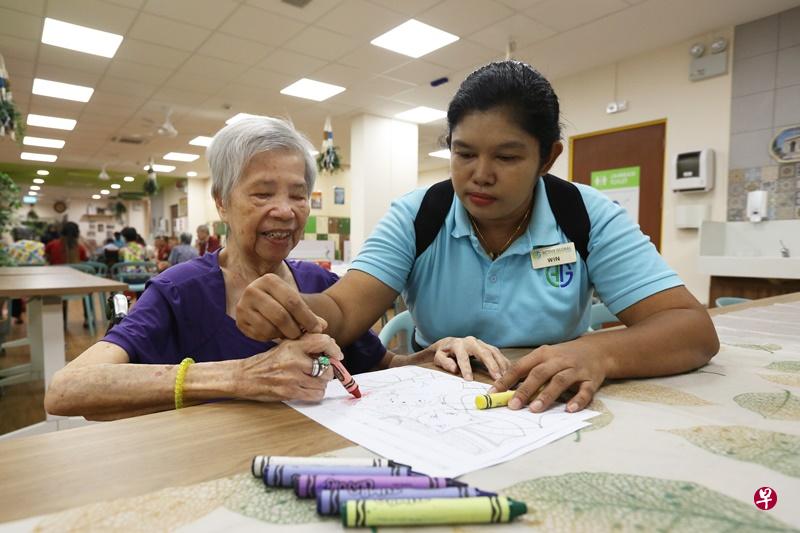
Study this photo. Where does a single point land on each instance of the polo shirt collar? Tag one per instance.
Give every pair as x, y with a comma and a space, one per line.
542, 228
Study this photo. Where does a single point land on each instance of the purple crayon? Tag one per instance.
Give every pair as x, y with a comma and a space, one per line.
282, 475
310, 486
329, 502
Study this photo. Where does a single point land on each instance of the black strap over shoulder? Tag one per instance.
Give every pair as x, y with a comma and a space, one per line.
570, 213
432, 212
564, 197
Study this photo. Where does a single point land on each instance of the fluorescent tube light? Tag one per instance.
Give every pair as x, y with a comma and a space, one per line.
43, 142
31, 156
441, 154
414, 39
421, 115
312, 90
66, 91
179, 156
202, 140
43, 121
80, 38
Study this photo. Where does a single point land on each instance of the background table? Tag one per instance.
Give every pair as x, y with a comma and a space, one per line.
685, 452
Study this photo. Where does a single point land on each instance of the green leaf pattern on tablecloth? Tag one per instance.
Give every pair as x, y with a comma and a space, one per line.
792, 380
171, 508
777, 451
650, 392
785, 366
597, 501
775, 405
771, 348
600, 421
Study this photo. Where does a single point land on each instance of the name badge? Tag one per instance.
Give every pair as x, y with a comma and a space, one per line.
560, 254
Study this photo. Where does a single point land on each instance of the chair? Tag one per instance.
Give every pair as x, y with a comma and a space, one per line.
101, 270
134, 273
722, 301
600, 315
88, 301
401, 323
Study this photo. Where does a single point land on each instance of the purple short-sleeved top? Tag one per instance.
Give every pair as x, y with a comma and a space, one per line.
182, 314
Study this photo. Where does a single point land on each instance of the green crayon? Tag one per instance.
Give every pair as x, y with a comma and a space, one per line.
432, 511
497, 399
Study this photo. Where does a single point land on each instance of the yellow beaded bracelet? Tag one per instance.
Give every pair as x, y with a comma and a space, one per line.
180, 377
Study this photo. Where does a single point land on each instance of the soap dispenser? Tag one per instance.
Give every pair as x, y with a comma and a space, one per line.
756, 205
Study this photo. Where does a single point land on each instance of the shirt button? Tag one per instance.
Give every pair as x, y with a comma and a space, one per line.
493, 279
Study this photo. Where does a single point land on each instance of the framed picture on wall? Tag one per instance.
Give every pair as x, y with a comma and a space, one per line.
183, 207
338, 195
316, 200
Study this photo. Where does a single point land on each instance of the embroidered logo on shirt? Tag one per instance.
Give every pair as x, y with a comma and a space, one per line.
559, 276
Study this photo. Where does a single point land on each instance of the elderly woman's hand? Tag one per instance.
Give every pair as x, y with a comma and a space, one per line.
270, 308
549, 371
284, 372
453, 354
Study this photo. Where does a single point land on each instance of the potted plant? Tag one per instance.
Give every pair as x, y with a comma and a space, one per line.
9, 203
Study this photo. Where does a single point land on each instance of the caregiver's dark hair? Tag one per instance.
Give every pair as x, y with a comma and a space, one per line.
517, 87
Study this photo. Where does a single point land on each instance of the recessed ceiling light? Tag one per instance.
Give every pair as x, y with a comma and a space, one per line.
442, 154
38, 180
96, 197
33, 193
421, 115
35, 188
43, 142
80, 38
129, 179
66, 91
202, 140
179, 156
161, 168
239, 116
44, 121
414, 39
191, 174
115, 185
312, 89
31, 156
43, 172
105, 191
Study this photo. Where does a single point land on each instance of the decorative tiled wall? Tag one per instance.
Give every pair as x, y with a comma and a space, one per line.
321, 228
765, 100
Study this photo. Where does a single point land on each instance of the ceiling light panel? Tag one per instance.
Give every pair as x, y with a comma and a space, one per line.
43, 142
31, 156
202, 140
66, 91
441, 154
80, 38
161, 168
239, 116
43, 172
414, 39
312, 90
128, 179
421, 115
38, 180
43, 121
179, 156
191, 174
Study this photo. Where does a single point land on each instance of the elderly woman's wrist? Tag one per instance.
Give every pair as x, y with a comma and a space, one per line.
210, 381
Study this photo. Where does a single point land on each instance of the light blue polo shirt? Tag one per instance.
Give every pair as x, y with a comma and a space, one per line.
455, 290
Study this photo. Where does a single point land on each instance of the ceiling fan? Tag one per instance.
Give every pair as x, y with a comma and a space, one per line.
167, 129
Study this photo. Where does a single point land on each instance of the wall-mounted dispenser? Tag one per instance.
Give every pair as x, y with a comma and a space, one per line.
693, 171
756, 205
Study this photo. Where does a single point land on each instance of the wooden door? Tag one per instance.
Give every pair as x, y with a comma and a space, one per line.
638, 145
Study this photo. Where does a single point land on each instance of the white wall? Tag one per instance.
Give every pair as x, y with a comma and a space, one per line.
656, 86
426, 179
325, 184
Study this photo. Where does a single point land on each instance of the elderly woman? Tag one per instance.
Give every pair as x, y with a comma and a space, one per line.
262, 173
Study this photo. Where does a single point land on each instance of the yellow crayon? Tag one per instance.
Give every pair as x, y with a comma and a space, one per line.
498, 399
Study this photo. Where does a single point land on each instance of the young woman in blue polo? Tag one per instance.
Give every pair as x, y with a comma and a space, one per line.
501, 271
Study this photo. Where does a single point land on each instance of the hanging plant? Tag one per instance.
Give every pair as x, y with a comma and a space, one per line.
11, 124
328, 160
9, 203
150, 184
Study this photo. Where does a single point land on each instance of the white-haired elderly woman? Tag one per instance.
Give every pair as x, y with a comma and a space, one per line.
180, 342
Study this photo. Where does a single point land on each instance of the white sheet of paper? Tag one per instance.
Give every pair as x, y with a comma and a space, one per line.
428, 420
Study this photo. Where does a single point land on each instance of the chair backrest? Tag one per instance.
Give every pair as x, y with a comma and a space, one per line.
133, 272
400, 323
83, 267
100, 268
722, 301
600, 315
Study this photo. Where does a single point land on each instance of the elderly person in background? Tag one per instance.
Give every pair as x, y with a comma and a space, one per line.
206, 243
182, 252
133, 249
262, 174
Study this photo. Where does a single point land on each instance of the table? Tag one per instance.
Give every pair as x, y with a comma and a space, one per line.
45, 285
659, 443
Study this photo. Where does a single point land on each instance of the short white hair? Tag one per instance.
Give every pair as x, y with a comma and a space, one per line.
235, 145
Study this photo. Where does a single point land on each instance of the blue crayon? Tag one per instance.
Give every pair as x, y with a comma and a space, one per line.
329, 502
282, 475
